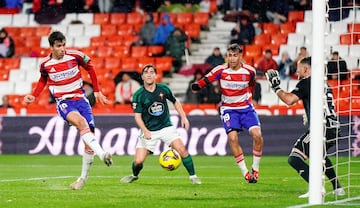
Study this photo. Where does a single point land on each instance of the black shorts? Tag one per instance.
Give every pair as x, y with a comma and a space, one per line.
303, 142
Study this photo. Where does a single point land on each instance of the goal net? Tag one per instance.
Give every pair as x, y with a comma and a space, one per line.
342, 72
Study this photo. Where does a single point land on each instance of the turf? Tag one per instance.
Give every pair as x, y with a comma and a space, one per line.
43, 181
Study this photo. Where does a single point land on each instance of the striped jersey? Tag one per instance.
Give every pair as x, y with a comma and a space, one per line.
63, 76
237, 86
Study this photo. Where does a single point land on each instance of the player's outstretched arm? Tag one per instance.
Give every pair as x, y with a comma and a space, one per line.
101, 98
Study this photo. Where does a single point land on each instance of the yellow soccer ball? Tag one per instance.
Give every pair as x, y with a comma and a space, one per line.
170, 159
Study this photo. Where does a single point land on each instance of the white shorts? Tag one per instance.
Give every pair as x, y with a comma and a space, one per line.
167, 135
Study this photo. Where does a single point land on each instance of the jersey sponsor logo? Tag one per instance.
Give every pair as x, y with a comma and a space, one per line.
156, 109
63, 75
228, 77
235, 86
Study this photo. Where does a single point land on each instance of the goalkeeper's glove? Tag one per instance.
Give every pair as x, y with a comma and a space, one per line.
274, 79
195, 87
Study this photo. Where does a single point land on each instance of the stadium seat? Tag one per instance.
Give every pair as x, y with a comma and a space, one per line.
27, 31
184, 18
39, 51
15, 100
11, 63
32, 21
22, 51
273, 47
156, 17
303, 28
287, 28
347, 39
354, 50
90, 51
308, 16
75, 30
7, 87
44, 42
98, 41
22, 88
192, 30
31, 41
86, 18
13, 31
139, 51
92, 30
270, 28
81, 41
308, 40
295, 16
61, 28
6, 20
129, 64
354, 28
4, 75
143, 61
291, 49
17, 75
296, 39
125, 29
262, 39
252, 50
117, 18
32, 75
332, 39
108, 30
134, 18
352, 62
112, 63
98, 63
121, 51
164, 63
155, 50
342, 49
201, 18
278, 39
101, 18
115, 40
338, 27
104, 51
43, 31
20, 20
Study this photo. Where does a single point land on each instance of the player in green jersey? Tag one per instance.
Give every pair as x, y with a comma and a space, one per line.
153, 118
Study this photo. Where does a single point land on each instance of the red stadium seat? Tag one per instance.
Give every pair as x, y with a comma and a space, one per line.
90, 51
287, 28
31, 41
155, 50
121, 51
279, 39
98, 41
11, 63
117, 18
104, 51
43, 31
27, 31
112, 63
252, 50
101, 18
139, 51
4, 75
192, 30
108, 30
164, 63
134, 18
270, 28
295, 16
262, 39
130, 39
125, 29
143, 61
129, 64
201, 18
347, 39
184, 18
114, 41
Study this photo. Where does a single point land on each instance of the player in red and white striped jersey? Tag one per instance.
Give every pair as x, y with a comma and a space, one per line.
60, 71
237, 82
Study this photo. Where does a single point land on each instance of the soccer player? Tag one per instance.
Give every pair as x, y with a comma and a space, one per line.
61, 72
300, 151
237, 82
153, 118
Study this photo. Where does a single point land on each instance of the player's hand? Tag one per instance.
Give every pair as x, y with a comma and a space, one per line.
195, 87
147, 135
305, 120
185, 123
101, 98
29, 99
274, 79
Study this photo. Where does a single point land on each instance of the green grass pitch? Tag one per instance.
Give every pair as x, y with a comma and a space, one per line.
42, 181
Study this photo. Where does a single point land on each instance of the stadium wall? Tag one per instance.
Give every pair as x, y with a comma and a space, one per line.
118, 135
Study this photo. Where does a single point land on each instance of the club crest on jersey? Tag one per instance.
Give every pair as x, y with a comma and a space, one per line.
243, 78
161, 95
156, 109
52, 69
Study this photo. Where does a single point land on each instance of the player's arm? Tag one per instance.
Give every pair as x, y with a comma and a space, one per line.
141, 125
99, 97
184, 121
38, 89
274, 80
213, 75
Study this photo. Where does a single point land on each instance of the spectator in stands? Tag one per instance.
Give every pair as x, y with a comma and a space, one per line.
175, 46
204, 6
123, 6
7, 46
302, 54
244, 32
5, 102
80, 6
164, 30
215, 58
258, 8
337, 66
278, 11
104, 5
48, 12
236, 5
147, 31
285, 66
300, 5
194, 97
125, 89
266, 63
13, 4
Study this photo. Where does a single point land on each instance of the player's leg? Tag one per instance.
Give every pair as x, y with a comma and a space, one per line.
187, 160
258, 143
136, 165
299, 154
87, 161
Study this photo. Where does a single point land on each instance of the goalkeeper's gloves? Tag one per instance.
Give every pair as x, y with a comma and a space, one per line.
195, 87
274, 79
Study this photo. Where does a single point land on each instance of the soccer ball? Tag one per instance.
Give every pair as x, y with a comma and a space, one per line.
170, 159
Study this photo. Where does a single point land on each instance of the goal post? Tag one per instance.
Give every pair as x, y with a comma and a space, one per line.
317, 103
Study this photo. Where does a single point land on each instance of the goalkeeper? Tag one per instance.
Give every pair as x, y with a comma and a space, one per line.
300, 151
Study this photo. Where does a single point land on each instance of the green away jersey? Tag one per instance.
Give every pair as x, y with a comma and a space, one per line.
153, 106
